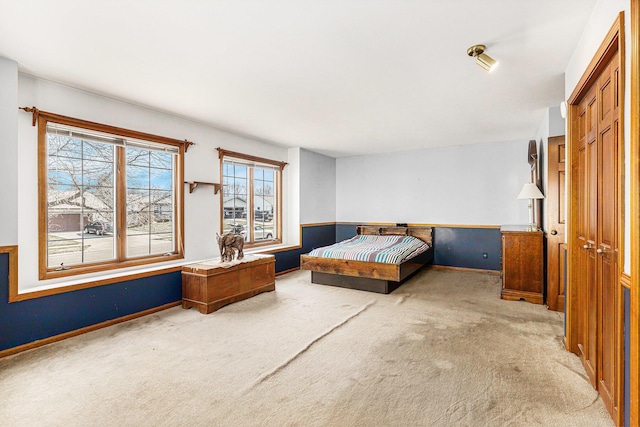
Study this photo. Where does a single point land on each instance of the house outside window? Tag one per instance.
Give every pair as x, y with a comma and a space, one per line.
108, 199
251, 197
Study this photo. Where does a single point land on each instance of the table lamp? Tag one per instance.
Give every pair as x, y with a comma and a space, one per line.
531, 191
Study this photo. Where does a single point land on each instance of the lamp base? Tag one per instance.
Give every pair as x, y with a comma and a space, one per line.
531, 227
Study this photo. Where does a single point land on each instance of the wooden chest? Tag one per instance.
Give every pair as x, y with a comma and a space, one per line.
210, 285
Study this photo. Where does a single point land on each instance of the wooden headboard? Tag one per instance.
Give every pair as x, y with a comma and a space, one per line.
422, 233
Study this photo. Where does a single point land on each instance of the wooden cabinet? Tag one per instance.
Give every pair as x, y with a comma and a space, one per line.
210, 285
522, 264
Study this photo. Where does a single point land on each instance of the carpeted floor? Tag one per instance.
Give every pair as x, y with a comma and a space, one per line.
442, 350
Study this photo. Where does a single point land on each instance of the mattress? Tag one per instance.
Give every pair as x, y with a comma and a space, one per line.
371, 248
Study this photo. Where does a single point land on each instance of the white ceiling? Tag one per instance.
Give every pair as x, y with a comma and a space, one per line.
337, 77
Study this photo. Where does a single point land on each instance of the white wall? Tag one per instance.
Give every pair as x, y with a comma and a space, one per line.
292, 203
9, 157
557, 123
474, 184
604, 14
552, 125
542, 141
202, 207
317, 188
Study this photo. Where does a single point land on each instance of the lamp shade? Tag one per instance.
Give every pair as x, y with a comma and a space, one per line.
530, 191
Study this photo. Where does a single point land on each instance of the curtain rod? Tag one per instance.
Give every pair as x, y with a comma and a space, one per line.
101, 127
222, 153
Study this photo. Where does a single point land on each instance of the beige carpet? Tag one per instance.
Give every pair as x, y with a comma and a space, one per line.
442, 350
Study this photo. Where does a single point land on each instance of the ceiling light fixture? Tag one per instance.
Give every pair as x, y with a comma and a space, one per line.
486, 62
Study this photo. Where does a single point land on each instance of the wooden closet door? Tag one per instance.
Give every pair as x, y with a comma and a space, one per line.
598, 204
607, 247
594, 316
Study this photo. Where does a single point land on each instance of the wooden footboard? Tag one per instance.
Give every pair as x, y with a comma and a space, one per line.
344, 267
363, 275
372, 270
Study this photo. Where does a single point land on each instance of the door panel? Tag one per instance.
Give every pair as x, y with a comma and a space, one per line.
590, 208
582, 227
591, 305
607, 369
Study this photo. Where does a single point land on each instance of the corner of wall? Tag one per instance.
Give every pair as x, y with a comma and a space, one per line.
292, 200
9, 145
557, 124
317, 187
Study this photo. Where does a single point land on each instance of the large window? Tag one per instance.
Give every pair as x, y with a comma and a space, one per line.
109, 197
251, 197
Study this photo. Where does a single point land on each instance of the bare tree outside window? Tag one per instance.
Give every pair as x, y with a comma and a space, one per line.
80, 193
149, 202
87, 216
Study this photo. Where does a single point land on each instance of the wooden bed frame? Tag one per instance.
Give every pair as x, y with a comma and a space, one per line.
370, 276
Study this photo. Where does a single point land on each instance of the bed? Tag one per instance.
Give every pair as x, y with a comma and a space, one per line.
375, 270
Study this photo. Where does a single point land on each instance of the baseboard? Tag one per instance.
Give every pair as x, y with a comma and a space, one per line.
475, 270
55, 338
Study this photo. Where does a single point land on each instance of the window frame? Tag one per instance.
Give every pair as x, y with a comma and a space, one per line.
120, 261
251, 162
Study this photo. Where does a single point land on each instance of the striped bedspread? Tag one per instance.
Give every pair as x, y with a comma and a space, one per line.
384, 249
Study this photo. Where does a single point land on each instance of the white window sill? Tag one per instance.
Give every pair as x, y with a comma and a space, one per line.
271, 248
122, 275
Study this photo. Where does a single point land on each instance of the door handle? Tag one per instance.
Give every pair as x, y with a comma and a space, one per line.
600, 251
588, 247
554, 232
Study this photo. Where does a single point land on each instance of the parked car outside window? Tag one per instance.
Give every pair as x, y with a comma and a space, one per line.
98, 228
262, 215
259, 232
262, 233
236, 228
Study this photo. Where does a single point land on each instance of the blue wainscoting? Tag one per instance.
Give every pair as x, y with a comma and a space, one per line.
478, 248
31, 320
313, 236
345, 231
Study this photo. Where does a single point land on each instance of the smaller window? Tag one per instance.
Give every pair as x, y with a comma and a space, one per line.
251, 197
